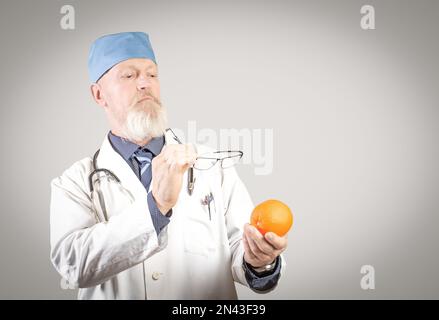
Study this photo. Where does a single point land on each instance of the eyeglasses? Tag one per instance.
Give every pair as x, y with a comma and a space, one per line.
208, 160
227, 159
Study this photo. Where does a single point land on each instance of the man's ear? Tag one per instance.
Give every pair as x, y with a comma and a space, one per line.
96, 92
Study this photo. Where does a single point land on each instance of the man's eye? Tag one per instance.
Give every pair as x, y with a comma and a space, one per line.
153, 75
128, 76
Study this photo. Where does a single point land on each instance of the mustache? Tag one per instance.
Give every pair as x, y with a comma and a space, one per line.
145, 96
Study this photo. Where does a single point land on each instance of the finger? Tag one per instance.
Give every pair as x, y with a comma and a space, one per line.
185, 160
279, 243
161, 165
189, 154
186, 152
170, 156
260, 241
192, 151
247, 249
169, 151
255, 249
176, 147
163, 156
157, 163
180, 162
251, 258
175, 160
184, 148
179, 165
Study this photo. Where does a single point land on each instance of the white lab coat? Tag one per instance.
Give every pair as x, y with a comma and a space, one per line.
192, 258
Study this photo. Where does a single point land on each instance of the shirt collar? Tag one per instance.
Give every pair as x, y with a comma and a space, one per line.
126, 148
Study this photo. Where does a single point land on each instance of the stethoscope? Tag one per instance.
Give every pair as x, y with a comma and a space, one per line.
112, 176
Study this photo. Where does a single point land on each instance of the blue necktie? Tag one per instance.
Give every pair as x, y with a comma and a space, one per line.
142, 162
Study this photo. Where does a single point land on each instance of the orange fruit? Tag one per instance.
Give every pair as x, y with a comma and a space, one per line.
272, 216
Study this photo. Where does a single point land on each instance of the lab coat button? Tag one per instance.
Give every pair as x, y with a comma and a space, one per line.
155, 275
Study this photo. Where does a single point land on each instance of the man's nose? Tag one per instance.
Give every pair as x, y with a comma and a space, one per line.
143, 82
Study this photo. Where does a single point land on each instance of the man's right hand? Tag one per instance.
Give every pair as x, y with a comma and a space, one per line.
168, 169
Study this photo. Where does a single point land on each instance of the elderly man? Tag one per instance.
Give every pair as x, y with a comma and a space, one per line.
126, 225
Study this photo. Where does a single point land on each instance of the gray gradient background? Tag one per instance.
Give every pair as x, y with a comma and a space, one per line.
354, 113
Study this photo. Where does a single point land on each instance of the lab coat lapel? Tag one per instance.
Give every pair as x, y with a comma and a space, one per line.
110, 159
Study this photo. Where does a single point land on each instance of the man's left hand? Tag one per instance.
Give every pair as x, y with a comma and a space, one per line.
261, 250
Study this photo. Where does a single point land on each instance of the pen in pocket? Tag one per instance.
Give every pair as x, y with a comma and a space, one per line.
206, 201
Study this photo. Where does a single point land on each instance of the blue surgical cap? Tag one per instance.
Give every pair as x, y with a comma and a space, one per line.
109, 50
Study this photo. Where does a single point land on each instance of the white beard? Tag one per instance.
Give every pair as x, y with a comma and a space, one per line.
145, 120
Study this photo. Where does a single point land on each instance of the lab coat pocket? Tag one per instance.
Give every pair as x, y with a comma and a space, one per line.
199, 233
194, 247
